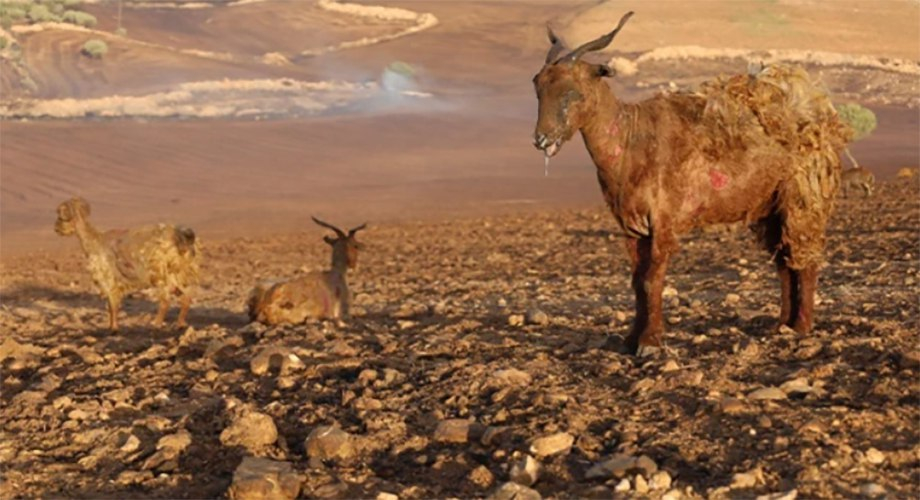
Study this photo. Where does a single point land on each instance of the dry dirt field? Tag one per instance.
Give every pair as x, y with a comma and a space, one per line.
436, 337
490, 301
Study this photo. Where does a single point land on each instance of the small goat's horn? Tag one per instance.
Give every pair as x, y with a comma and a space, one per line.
330, 226
598, 44
352, 231
556, 47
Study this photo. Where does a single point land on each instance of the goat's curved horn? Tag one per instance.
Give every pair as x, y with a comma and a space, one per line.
352, 231
330, 226
597, 44
556, 47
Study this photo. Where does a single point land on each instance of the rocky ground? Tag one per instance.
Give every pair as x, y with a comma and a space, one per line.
482, 360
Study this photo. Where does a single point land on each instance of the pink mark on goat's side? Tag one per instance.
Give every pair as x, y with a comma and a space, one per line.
613, 129
718, 179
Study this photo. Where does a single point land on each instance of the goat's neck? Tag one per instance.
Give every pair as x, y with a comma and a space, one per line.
90, 237
606, 131
339, 260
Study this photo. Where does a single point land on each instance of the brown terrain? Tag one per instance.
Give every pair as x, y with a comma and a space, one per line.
490, 302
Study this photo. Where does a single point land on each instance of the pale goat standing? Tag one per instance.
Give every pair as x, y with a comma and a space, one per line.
161, 256
761, 148
316, 295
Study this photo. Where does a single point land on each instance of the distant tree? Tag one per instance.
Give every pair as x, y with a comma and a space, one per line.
861, 120
95, 48
41, 14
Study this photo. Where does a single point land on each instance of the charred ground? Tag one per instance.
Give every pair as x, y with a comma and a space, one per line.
433, 303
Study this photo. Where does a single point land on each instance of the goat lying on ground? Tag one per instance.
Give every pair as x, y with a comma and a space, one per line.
317, 295
857, 177
763, 149
162, 256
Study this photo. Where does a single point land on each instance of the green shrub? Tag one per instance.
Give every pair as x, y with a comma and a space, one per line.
95, 48
861, 119
121, 32
79, 18
41, 14
14, 11
5, 22
72, 3
3, 42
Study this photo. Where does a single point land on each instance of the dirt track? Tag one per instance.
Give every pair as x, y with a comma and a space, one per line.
429, 339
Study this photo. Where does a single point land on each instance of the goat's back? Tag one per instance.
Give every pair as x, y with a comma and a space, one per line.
317, 295
160, 255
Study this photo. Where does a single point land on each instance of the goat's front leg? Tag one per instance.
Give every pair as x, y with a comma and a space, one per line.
650, 261
808, 282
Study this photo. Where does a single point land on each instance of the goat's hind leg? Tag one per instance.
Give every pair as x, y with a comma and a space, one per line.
770, 230
805, 311
162, 309
185, 302
113, 306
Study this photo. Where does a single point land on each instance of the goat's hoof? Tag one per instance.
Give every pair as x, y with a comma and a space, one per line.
647, 351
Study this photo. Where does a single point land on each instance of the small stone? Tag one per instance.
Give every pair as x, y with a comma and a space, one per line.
516, 319
525, 471
280, 358
783, 495
747, 479
623, 486
732, 299
481, 476
551, 445
731, 406
514, 491
133, 477
641, 485
455, 430
536, 317
796, 386
910, 360
327, 442
670, 366
767, 393
668, 292
169, 448
386, 496
131, 444
875, 457
367, 376
814, 426
674, 494
660, 480
253, 431
646, 465
512, 376
263, 479
872, 490
620, 316
616, 466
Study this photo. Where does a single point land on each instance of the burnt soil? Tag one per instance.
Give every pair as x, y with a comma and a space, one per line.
432, 307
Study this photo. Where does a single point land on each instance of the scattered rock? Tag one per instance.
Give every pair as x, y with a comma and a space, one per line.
328, 442
263, 479
674, 494
280, 358
640, 484
525, 471
767, 393
551, 445
169, 448
516, 320
455, 430
874, 457
747, 479
514, 491
536, 317
731, 406
623, 486
481, 476
253, 431
645, 465
796, 386
660, 480
785, 495
616, 466
131, 444
732, 299
23, 355
872, 490
512, 376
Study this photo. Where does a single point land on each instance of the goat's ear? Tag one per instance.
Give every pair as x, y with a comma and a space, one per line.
604, 71
80, 207
329, 239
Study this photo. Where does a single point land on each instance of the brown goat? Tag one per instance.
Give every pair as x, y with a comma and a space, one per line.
763, 149
161, 256
857, 177
317, 295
